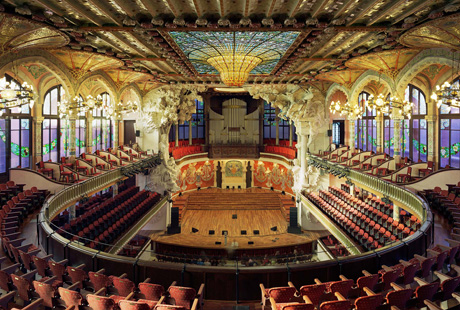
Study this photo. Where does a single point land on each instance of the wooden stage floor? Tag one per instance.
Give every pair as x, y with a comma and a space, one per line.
216, 209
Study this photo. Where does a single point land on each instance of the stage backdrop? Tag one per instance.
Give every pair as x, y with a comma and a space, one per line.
196, 174
269, 174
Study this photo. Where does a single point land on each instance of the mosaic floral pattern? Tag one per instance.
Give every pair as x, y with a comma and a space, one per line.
198, 46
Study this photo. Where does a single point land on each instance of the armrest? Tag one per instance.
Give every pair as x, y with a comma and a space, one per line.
2, 259
9, 229
339, 296
74, 286
130, 296
17, 242
12, 236
431, 305
11, 269
432, 252
343, 278
81, 266
162, 299
63, 262
147, 280
453, 242
30, 275
442, 276
195, 304
306, 299
200, 290
368, 291
420, 282
317, 281
47, 257
123, 276
456, 296
24, 247
101, 270
419, 257
386, 268
455, 267
404, 263
101, 292
50, 280
5, 299
34, 252
72, 307
396, 287
35, 304
262, 289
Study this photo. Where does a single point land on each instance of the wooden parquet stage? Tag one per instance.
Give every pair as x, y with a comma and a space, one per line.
215, 209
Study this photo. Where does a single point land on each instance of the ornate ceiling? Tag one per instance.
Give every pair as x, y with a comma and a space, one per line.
153, 42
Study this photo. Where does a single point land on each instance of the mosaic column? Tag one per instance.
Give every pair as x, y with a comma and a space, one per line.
73, 137
303, 129
431, 123
395, 213
190, 140
351, 138
290, 134
397, 138
379, 123
38, 138
89, 133
277, 121
116, 128
177, 135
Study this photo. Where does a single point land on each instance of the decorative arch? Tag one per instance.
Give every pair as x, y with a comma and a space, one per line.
365, 79
100, 77
131, 88
333, 90
420, 62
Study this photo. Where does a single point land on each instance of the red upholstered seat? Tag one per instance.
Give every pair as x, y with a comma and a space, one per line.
314, 292
133, 305
336, 305
70, 297
368, 302
100, 302
294, 306
124, 286
99, 280
183, 296
426, 291
399, 298
151, 291
77, 275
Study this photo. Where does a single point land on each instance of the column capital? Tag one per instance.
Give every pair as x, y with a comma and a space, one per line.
39, 119
303, 126
431, 118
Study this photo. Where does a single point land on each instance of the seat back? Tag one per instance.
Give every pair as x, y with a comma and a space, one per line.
77, 275
368, 281
22, 285
409, 272
182, 295
100, 302
449, 286
368, 302
314, 292
4, 280
298, 306
123, 286
133, 305
336, 305
282, 294
342, 287
57, 269
41, 265
46, 292
169, 307
70, 297
151, 291
388, 277
426, 291
399, 298
426, 266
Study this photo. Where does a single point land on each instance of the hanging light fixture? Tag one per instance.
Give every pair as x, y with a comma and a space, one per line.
77, 105
382, 105
130, 106
13, 95
234, 69
354, 112
449, 94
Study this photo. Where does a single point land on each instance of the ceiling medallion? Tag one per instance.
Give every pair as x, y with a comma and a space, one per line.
234, 69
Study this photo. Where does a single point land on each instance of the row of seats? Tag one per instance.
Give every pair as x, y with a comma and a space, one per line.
281, 150
447, 202
186, 150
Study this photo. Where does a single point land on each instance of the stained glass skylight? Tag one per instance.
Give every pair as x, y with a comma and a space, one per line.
199, 46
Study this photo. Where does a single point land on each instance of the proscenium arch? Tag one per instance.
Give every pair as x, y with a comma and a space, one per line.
421, 61
364, 79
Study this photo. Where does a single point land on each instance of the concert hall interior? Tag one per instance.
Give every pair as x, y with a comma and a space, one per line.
229, 155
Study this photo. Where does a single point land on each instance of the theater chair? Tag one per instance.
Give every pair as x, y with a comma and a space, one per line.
448, 285
5, 299
340, 304
399, 297
343, 287
176, 307
425, 290
41, 263
184, 296
368, 280
290, 305
97, 302
371, 301
5, 277
22, 284
70, 296
35, 305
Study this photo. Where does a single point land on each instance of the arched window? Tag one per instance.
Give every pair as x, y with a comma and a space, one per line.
16, 140
449, 134
54, 136
198, 121
102, 127
80, 133
415, 131
366, 128
269, 122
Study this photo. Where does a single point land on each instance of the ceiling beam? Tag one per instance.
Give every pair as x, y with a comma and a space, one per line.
296, 8
197, 8
50, 5
147, 59
171, 7
102, 7
384, 12
151, 7
125, 7
128, 43
83, 11
416, 8
343, 8
365, 9
271, 8
113, 45
222, 7
320, 7
144, 43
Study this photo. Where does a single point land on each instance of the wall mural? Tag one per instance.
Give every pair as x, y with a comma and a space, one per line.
267, 174
234, 168
196, 174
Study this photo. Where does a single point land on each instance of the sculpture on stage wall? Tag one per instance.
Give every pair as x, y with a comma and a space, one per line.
162, 108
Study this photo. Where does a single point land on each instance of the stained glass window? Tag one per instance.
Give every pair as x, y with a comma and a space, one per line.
199, 46
415, 131
198, 121
449, 137
366, 128
269, 123
183, 131
102, 127
54, 137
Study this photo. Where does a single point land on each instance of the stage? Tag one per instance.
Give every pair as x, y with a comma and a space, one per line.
251, 218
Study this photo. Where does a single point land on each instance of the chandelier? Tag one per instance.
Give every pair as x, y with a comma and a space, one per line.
70, 109
346, 109
14, 95
449, 94
381, 105
130, 106
233, 68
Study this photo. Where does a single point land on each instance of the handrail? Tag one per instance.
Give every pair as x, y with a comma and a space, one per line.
411, 202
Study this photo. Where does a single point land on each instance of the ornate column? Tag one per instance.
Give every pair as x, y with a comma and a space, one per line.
351, 137
397, 136
89, 133
379, 138
190, 140
395, 213
38, 138
116, 134
290, 134
72, 137
277, 132
177, 134
303, 129
431, 124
